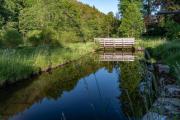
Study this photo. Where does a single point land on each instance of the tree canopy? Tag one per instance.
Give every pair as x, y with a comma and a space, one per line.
66, 20
132, 20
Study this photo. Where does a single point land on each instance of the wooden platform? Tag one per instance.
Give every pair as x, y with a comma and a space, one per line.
115, 42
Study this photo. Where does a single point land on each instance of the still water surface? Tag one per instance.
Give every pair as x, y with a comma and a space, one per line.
88, 89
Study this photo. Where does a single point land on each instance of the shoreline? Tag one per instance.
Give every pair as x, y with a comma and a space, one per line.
167, 92
35, 74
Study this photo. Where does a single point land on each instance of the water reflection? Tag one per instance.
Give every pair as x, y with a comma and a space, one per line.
85, 90
116, 56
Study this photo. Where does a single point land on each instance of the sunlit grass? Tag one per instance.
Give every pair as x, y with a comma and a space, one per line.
19, 63
149, 42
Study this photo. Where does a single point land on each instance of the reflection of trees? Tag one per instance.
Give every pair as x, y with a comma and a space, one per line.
130, 98
133, 104
24, 94
130, 75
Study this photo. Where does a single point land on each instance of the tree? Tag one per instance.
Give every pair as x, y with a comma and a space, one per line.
12, 38
63, 17
167, 22
132, 20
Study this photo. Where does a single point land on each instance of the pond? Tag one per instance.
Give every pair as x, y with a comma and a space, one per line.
99, 86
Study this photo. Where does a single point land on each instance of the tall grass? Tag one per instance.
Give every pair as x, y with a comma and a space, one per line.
149, 42
168, 52
162, 50
16, 64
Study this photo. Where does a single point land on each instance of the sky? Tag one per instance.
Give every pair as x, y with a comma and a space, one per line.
104, 6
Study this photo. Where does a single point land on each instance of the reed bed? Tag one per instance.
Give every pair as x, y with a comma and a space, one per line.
20, 63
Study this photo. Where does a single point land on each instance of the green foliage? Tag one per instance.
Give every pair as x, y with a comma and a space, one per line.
63, 16
168, 52
11, 38
42, 37
149, 42
49, 37
131, 22
20, 63
66, 18
173, 30
112, 24
1, 21
69, 36
34, 37
166, 24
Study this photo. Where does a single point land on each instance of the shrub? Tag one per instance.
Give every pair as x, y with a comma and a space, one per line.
11, 25
34, 37
42, 37
68, 36
49, 37
173, 30
12, 38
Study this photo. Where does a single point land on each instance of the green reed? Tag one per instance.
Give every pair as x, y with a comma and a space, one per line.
20, 63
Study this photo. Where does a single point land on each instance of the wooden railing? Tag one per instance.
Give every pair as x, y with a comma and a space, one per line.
115, 42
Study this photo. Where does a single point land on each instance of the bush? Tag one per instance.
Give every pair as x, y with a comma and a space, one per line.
49, 37
34, 37
11, 38
68, 36
173, 30
11, 25
42, 37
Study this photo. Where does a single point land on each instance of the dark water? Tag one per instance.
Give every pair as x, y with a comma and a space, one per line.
87, 89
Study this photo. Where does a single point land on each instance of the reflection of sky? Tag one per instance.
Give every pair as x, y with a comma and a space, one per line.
94, 97
104, 6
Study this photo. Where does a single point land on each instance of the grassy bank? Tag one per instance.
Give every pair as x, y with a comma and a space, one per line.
165, 51
169, 53
151, 42
20, 63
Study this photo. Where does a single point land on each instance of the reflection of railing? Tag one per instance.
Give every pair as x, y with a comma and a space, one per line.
116, 56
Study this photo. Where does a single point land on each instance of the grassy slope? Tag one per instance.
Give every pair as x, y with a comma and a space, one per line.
20, 63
